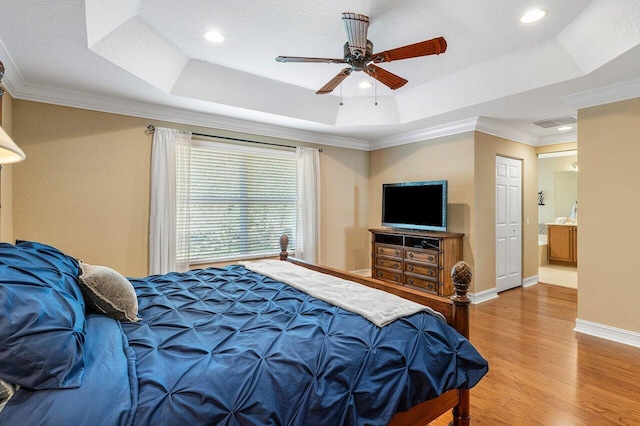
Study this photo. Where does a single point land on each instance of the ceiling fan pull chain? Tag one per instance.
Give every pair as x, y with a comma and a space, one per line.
375, 91
341, 95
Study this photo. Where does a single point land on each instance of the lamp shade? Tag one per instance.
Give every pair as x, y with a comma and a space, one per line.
9, 151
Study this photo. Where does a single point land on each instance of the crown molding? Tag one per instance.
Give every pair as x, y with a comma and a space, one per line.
10, 69
467, 125
73, 99
35, 93
559, 138
491, 127
604, 95
481, 124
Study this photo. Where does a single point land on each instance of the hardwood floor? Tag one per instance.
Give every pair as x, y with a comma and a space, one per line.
541, 372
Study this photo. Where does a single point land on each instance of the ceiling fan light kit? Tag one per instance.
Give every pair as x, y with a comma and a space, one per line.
358, 54
356, 26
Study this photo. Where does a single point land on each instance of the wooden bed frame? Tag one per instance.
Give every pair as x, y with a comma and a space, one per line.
455, 310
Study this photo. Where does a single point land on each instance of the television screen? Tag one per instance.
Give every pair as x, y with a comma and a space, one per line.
415, 205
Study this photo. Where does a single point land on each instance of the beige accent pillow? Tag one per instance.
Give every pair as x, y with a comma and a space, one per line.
108, 292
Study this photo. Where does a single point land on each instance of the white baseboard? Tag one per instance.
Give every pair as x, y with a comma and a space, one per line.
619, 335
528, 282
483, 296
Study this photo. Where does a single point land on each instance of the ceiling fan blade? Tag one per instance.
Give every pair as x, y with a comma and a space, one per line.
335, 81
303, 59
434, 46
356, 26
385, 77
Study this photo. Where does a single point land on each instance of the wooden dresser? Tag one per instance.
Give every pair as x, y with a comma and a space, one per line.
417, 259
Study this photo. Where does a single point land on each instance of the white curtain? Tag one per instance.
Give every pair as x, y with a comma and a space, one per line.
169, 210
308, 223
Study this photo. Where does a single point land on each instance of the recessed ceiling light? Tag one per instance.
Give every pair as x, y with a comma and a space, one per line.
533, 16
563, 128
365, 84
214, 36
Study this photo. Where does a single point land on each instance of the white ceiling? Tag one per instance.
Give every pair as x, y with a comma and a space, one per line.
150, 59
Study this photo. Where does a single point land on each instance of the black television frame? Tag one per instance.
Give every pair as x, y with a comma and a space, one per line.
404, 225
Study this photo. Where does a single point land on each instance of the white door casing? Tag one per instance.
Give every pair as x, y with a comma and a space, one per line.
508, 223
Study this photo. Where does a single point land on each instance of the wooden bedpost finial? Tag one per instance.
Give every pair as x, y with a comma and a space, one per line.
284, 243
1, 86
461, 277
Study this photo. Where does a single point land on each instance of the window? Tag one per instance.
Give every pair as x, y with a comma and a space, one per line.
242, 199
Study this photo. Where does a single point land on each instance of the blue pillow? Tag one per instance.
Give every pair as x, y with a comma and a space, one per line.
42, 319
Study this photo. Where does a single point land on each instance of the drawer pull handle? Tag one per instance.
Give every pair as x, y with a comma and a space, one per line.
380, 250
411, 255
410, 268
410, 280
395, 277
431, 258
379, 273
380, 261
395, 265
397, 253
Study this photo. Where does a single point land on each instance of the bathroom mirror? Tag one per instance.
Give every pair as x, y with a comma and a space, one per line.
566, 192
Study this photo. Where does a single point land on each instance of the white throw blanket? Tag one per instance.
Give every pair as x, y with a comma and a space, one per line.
379, 307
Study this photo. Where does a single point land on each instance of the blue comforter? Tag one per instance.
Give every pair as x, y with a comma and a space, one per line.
229, 346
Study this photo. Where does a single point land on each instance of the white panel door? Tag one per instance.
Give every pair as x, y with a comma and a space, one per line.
508, 223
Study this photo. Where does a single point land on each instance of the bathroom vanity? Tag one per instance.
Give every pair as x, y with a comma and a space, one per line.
562, 243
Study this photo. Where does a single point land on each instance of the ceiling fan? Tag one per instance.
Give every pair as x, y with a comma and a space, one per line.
358, 54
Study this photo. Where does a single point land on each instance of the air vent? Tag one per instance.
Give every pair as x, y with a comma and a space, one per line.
555, 122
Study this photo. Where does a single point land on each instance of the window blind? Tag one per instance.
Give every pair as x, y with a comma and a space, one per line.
242, 199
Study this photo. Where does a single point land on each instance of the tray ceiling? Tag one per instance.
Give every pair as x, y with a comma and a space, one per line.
150, 58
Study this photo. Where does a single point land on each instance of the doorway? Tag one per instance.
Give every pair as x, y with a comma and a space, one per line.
508, 223
557, 203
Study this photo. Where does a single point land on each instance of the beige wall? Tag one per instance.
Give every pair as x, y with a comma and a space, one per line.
559, 147
84, 187
344, 240
608, 272
467, 161
448, 158
6, 175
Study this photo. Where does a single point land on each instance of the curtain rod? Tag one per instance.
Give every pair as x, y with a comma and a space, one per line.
151, 128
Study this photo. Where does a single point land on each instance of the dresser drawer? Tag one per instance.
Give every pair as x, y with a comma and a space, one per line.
428, 256
388, 263
389, 275
422, 269
424, 283
420, 260
382, 250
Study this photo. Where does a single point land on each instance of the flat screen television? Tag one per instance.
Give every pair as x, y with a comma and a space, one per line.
415, 205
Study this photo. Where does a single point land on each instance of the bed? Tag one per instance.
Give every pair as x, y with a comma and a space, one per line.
80, 344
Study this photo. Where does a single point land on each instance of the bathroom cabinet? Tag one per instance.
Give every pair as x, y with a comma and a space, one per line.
562, 244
